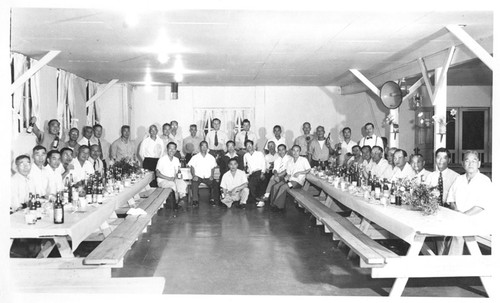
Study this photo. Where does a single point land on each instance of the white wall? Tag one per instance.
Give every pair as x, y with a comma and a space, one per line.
286, 106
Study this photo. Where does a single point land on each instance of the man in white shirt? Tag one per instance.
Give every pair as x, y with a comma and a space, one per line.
366, 156
277, 138
21, 185
279, 171
202, 169
442, 177
270, 157
87, 133
151, 150
166, 174
72, 143
95, 159
103, 143
165, 136
320, 148
472, 192
371, 139
234, 185
255, 167
38, 174
297, 169
66, 166
217, 141
418, 163
403, 169
305, 140
191, 144
55, 181
176, 136
346, 145
243, 136
379, 166
82, 166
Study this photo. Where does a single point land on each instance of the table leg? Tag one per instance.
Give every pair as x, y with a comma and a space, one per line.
63, 246
306, 186
475, 251
414, 250
456, 246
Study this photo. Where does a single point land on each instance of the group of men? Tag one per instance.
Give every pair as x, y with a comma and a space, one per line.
246, 174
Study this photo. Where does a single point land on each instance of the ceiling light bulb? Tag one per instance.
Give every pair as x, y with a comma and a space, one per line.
163, 58
178, 77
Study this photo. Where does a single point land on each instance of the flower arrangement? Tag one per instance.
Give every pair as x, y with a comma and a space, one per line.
126, 165
390, 120
423, 198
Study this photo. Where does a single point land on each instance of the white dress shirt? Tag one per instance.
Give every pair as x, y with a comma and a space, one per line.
372, 141
276, 141
295, 166
21, 187
39, 179
255, 161
85, 141
239, 139
221, 138
230, 182
55, 181
449, 177
80, 172
421, 176
177, 139
382, 169
151, 148
407, 173
280, 163
467, 194
168, 167
203, 165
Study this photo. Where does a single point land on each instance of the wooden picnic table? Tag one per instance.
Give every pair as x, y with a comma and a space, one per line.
77, 225
414, 228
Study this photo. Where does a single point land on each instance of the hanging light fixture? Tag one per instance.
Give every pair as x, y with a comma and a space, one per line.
174, 90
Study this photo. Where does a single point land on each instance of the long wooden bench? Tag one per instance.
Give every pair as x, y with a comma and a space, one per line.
112, 250
372, 253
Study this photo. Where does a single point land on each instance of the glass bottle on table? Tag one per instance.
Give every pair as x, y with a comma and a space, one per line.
393, 193
32, 211
38, 207
385, 188
100, 189
377, 189
58, 210
88, 192
179, 174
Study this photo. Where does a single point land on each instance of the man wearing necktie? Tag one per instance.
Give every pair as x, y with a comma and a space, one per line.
217, 141
99, 140
243, 136
87, 133
95, 158
279, 171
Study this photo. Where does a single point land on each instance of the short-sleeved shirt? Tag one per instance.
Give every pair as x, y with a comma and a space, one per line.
47, 140
382, 169
466, 195
39, 179
255, 161
295, 166
55, 181
202, 165
407, 173
229, 181
151, 148
221, 140
318, 152
80, 172
304, 143
168, 167
21, 187
177, 138
191, 145
239, 139
123, 149
449, 177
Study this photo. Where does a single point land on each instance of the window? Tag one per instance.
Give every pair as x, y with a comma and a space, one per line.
231, 119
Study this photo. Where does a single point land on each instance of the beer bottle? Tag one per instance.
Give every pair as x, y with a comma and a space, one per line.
55, 143
179, 174
33, 212
377, 189
38, 207
58, 210
387, 193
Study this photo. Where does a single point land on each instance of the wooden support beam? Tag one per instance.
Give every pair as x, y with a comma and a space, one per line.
35, 68
365, 81
413, 89
425, 75
442, 77
468, 41
100, 93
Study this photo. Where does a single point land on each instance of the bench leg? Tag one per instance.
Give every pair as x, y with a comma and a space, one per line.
414, 250
364, 226
63, 247
474, 250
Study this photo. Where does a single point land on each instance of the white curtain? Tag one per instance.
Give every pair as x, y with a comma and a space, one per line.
20, 63
63, 80
230, 118
92, 109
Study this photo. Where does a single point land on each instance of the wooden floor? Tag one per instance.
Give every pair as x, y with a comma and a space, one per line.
212, 250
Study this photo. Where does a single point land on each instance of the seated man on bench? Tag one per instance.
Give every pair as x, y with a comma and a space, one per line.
166, 174
234, 184
297, 169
